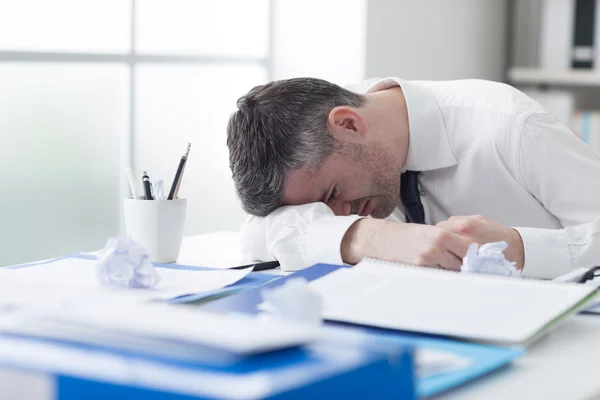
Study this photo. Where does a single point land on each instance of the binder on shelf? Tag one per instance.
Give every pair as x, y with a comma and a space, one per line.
583, 54
556, 34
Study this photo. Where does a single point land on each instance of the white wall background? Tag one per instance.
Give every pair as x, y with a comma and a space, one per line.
322, 39
436, 39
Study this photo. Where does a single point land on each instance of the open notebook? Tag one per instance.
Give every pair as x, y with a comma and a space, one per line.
474, 307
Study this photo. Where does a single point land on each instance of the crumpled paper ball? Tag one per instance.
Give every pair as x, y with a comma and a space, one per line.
488, 259
125, 263
293, 301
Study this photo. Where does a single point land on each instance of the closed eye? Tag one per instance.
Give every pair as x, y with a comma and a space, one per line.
334, 193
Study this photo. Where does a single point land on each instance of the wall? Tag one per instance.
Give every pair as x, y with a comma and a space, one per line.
321, 39
525, 33
437, 39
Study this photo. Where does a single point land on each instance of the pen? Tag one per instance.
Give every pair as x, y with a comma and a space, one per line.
179, 175
146, 184
131, 178
260, 266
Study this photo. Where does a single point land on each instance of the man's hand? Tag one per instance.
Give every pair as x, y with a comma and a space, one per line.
483, 230
409, 243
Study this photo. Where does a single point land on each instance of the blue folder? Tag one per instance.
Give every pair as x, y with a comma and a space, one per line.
314, 371
485, 358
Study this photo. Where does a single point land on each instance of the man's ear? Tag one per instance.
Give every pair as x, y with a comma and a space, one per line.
344, 121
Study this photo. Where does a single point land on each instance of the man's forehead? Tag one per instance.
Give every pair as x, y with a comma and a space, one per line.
304, 186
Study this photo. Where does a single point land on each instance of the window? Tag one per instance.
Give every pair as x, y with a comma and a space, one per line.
89, 88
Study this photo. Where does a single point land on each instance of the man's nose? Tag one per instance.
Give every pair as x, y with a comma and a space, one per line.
340, 207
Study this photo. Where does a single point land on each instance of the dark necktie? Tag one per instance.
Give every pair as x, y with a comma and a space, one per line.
411, 198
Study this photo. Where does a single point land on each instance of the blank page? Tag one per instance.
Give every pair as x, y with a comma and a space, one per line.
477, 307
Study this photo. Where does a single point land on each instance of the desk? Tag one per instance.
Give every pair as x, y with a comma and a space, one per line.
561, 365
217, 250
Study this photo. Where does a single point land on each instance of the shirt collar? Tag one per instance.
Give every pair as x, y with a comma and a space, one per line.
429, 147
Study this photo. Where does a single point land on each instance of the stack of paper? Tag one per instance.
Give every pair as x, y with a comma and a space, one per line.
173, 326
476, 307
63, 300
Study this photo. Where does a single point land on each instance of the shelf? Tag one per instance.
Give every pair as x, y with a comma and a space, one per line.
537, 76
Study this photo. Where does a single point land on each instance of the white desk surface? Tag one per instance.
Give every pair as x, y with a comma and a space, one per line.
561, 365
217, 250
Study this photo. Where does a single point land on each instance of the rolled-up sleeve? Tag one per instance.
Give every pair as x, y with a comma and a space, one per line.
296, 236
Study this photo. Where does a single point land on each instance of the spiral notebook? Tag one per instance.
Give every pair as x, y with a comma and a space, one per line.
493, 309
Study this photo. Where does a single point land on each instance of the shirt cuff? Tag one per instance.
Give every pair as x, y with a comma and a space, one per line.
546, 252
324, 239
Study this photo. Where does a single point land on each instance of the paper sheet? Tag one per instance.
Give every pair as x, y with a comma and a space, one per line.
294, 301
170, 324
476, 307
488, 259
574, 277
76, 279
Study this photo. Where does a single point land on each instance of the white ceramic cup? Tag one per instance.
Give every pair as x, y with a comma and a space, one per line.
157, 225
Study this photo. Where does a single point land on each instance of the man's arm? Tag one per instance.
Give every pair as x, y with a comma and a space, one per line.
563, 174
300, 236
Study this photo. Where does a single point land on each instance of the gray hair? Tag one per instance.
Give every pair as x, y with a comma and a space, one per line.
280, 127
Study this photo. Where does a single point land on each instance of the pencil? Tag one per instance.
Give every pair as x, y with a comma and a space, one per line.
179, 175
132, 183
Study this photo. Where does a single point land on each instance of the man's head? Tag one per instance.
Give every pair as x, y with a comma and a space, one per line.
305, 140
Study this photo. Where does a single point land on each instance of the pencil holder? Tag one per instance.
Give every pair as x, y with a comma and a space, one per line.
157, 225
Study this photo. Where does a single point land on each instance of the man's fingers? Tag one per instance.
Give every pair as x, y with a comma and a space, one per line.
460, 225
451, 224
439, 258
450, 261
454, 243
442, 251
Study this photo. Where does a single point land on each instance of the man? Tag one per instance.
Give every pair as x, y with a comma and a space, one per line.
472, 159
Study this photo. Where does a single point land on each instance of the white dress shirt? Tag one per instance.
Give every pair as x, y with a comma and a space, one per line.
482, 148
